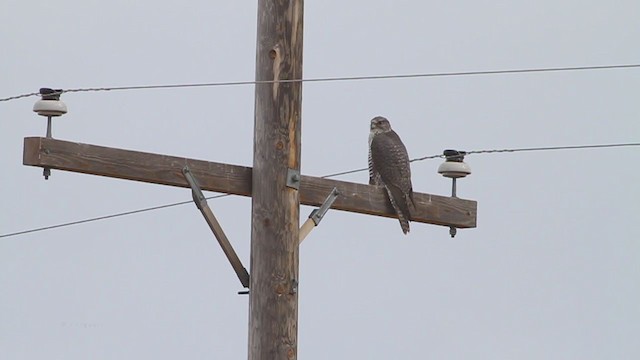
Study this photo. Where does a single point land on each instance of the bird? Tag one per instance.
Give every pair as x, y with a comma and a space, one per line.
389, 167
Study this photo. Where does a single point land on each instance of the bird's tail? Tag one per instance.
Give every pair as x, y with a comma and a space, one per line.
404, 223
403, 209
405, 213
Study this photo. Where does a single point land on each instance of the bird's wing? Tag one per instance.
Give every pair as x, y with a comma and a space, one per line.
374, 176
391, 160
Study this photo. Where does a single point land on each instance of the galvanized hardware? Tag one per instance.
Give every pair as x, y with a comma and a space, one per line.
49, 106
317, 214
196, 192
293, 178
453, 231
454, 167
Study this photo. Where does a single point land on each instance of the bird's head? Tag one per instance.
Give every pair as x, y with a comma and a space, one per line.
380, 124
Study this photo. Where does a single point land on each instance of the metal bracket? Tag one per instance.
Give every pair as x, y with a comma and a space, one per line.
317, 214
201, 203
293, 178
196, 192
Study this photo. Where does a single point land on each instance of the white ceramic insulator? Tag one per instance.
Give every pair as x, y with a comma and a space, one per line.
50, 107
454, 169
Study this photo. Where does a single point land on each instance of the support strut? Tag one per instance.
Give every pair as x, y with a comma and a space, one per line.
317, 214
201, 203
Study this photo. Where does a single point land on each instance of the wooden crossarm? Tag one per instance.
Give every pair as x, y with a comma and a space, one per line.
234, 179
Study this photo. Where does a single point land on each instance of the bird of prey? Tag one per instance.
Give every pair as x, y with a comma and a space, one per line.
389, 167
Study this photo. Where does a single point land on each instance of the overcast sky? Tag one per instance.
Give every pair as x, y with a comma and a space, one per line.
551, 272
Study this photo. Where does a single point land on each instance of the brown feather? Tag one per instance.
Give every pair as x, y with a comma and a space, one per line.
390, 162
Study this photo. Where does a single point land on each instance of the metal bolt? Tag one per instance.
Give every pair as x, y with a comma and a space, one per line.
49, 126
453, 231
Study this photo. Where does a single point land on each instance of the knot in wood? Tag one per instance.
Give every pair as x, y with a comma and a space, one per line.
281, 289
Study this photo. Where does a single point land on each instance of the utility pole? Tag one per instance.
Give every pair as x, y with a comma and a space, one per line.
275, 184
273, 298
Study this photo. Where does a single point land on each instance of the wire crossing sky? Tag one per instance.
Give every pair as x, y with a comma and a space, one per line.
549, 272
332, 79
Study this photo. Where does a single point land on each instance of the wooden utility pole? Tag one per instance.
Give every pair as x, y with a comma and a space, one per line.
273, 300
274, 183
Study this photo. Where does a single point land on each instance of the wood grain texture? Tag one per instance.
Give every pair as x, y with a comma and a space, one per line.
273, 301
233, 179
229, 252
135, 165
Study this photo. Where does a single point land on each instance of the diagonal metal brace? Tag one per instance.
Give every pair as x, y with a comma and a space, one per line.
201, 203
317, 214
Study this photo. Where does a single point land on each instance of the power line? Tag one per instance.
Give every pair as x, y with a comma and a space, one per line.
549, 148
365, 169
333, 79
440, 156
554, 148
106, 217
19, 96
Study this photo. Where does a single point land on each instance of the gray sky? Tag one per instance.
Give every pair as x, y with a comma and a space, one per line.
551, 272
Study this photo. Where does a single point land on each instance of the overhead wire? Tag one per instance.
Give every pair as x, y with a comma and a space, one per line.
494, 151
333, 79
326, 79
104, 217
553, 148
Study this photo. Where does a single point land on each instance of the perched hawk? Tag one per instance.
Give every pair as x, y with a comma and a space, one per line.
389, 167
